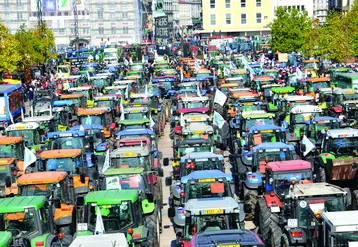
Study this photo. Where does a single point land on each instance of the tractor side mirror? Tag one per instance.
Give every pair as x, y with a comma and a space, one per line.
8, 181
171, 212
168, 181
149, 197
166, 161
160, 172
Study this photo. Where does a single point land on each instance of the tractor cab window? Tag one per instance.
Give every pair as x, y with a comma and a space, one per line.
135, 116
249, 123
5, 171
316, 128
207, 190
30, 136
207, 164
20, 224
91, 119
67, 143
11, 151
189, 150
125, 182
115, 217
311, 206
104, 103
62, 164
341, 146
344, 239
130, 162
273, 155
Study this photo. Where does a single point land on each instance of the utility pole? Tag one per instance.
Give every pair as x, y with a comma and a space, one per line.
75, 15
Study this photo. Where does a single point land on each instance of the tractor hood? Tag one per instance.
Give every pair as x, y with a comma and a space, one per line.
5, 239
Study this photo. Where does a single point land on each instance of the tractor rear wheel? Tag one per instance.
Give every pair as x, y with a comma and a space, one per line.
322, 174
355, 200
262, 219
348, 198
250, 200
152, 223
284, 241
275, 235
158, 193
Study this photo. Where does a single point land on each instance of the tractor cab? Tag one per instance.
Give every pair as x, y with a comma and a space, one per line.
33, 137
46, 123
109, 100
64, 112
251, 118
265, 133
194, 131
88, 92
97, 116
8, 177
286, 103
13, 147
152, 100
100, 81
193, 105
77, 99
42, 105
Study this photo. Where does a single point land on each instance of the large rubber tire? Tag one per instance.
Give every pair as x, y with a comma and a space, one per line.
275, 235
348, 198
284, 241
263, 219
250, 200
152, 223
67, 240
322, 174
158, 193
355, 200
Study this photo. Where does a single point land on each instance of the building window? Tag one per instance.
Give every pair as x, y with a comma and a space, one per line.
100, 30
212, 4
228, 4
243, 18
213, 19
125, 15
258, 18
19, 16
258, 3
243, 3
72, 30
125, 30
6, 3
228, 19
100, 14
113, 30
61, 31
18, 3
302, 8
114, 16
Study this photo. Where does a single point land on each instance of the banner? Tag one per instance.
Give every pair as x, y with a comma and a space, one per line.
309, 145
29, 158
106, 165
49, 5
99, 230
218, 120
63, 5
220, 97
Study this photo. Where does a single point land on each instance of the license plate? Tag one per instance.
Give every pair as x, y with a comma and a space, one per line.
266, 131
197, 132
248, 104
206, 180
82, 227
20, 127
195, 119
230, 245
213, 211
136, 105
135, 111
65, 135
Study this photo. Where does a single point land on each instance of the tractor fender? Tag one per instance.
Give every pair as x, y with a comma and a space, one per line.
89, 159
102, 147
273, 202
292, 238
253, 180
50, 239
179, 218
246, 159
175, 189
322, 158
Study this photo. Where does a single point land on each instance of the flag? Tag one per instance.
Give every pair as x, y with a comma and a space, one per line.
220, 97
152, 123
218, 120
197, 66
12, 118
122, 109
226, 71
106, 162
88, 76
126, 92
198, 91
182, 122
126, 62
146, 89
181, 75
232, 65
130, 61
82, 128
99, 230
29, 158
309, 145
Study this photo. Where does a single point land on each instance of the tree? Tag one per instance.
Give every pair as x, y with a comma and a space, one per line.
9, 56
46, 39
288, 30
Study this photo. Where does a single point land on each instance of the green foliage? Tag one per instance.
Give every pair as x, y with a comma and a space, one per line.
288, 29
25, 48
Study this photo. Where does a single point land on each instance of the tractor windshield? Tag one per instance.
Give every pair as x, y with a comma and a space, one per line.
31, 137
207, 190
134, 116
341, 146
343, 239
67, 143
115, 217
5, 171
199, 165
321, 125
318, 85
11, 151
212, 222
20, 223
104, 103
125, 182
130, 162
248, 123
283, 181
41, 190
100, 83
266, 136
271, 155
62, 164
309, 207
189, 150
92, 119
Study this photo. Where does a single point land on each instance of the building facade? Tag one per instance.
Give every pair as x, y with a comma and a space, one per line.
302, 5
14, 13
237, 17
185, 13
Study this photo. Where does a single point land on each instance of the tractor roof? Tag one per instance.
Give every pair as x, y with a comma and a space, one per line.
4, 140
23, 126
225, 205
211, 174
201, 155
106, 97
60, 153
136, 109
306, 109
341, 133
197, 128
91, 111
37, 119
297, 98
344, 221
318, 79
69, 133
194, 99
108, 239
288, 165
134, 121
272, 146
124, 152
6, 161
123, 82
123, 171
323, 119
316, 189
257, 114
71, 96
348, 102
344, 91
61, 103
42, 177
109, 197
20, 203
194, 142
87, 127
227, 238
266, 127
82, 88
140, 95
135, 132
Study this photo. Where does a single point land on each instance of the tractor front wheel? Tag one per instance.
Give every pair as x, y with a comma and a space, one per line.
153, 225
250, 200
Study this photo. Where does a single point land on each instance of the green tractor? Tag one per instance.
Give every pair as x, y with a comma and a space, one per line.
26, 222
122, 211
